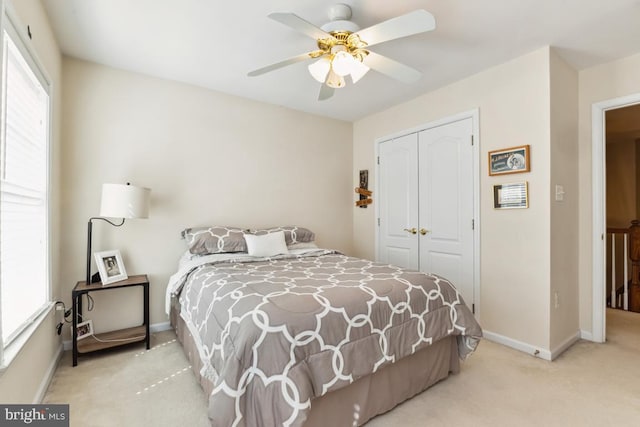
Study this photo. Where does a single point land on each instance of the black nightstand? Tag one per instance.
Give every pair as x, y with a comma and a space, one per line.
113, 338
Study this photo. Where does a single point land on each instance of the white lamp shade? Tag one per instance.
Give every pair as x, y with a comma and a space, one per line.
320, 69
124, 201
343, 63
358, 71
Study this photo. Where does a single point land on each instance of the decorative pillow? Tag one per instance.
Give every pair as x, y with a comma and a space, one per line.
266, 245
303, 245
292, 234
214, 240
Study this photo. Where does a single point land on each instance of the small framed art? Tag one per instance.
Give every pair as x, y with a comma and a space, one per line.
511, 196
110, 266
509, 160
84, 329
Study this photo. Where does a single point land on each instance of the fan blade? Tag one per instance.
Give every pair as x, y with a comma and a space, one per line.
280, 64
392, 68
418, 21
326, 92
294, 21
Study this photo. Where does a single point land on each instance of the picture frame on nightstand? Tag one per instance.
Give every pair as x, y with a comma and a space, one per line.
110, 266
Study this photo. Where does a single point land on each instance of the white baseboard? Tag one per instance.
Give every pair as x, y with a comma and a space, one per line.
159, 327
156, 327
531, 349
586, 335
46, 380
565, 345
518, 345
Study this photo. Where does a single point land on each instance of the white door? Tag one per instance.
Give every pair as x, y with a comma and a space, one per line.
398, 198
426, 203
446, 204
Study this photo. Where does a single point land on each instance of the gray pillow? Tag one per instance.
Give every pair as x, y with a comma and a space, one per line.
214, 240
292, 234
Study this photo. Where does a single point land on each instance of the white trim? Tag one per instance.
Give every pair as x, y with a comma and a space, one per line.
517, 345
160, 327
565, 345
586, 335
153, 328
12, 350
12, 24
474, 115
599, 227
33, 58
46, 380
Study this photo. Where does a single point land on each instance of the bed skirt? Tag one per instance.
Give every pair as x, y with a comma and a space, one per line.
368, 396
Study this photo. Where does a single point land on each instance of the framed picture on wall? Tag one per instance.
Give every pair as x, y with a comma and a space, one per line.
511, 196
110, 266
509, 160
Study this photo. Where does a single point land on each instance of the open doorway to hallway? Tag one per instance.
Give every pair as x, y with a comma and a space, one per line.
622, 145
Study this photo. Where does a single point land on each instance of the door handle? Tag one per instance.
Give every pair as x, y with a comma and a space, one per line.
412, 230
423, 231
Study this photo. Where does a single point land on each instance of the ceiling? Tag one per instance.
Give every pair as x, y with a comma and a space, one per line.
214, 44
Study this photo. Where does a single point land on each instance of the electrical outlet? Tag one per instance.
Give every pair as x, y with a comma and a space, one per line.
556, 300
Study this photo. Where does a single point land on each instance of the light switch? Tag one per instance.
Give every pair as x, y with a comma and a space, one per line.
559, 193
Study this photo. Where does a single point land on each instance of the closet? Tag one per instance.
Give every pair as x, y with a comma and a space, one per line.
426, 202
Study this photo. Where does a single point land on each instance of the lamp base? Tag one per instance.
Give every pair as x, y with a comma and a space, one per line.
95, 278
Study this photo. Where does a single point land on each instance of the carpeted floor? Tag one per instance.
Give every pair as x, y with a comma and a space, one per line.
589, 385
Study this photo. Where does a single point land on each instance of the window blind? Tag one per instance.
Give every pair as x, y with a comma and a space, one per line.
24, 258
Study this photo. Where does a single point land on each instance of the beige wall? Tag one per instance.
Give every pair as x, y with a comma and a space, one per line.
621, 183
564, 300
601, 83
513, 100
209, 158
22, 382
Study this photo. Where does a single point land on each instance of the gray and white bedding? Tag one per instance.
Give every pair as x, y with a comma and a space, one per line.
274, 333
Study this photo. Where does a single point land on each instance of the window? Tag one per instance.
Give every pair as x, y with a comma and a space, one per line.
24, 181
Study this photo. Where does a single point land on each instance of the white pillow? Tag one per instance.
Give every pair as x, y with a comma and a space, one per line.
266, 245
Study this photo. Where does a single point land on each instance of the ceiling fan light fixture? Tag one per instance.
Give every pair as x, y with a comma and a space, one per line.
358, 71
342, 47
343, 63
320, 69
334, 80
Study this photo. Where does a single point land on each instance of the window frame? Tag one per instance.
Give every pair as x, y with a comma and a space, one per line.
10, 22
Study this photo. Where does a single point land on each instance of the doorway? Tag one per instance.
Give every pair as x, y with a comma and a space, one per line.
600, 112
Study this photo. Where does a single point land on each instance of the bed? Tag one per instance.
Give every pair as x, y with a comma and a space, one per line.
290, 334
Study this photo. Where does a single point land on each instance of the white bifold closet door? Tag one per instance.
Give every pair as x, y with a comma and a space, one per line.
426, 203
398, 186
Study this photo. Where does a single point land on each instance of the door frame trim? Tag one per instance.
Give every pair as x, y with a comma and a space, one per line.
599, 216
474, 115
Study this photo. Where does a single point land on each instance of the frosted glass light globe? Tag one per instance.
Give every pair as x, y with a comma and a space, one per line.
342, 63
320, 69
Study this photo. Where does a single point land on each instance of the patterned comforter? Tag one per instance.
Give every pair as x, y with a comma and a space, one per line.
275, 333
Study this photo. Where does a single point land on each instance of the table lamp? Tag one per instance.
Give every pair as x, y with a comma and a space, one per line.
118, 201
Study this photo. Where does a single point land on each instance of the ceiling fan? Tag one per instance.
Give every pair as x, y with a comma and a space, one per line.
343, 48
